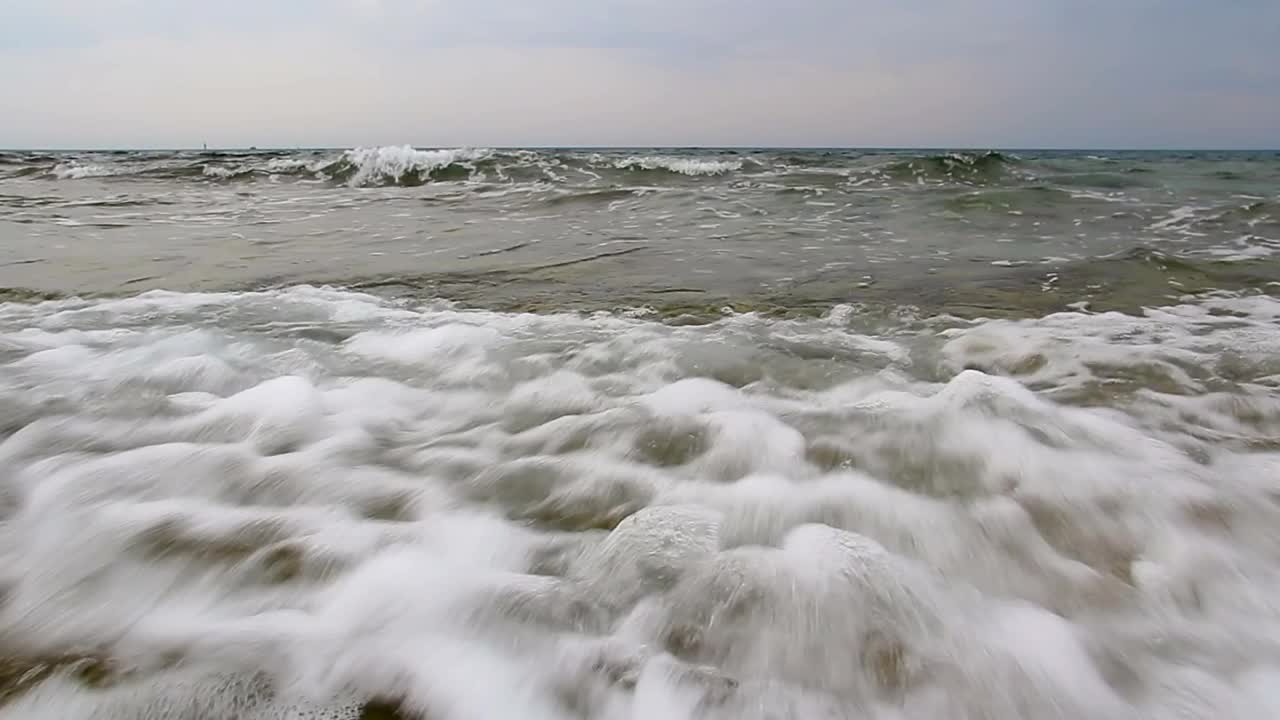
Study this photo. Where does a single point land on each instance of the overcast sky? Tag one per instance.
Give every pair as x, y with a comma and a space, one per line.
987, 73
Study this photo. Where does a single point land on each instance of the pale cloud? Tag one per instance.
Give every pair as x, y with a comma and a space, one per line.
639, 72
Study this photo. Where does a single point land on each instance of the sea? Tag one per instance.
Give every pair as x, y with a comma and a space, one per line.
577, 434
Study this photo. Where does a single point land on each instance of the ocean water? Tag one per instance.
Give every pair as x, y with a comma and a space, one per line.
467, 433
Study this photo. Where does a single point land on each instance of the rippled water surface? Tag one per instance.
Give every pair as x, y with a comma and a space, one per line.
675, 230
456, 434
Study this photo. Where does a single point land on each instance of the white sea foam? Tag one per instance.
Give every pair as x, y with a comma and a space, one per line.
222, 171
286, 504
1244, 248
381, 164
1180, 220
78, 171
283, 165
682, 165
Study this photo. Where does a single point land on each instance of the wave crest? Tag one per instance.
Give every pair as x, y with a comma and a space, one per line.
692, 167
405, 165
966, 167
77, 171
402, 165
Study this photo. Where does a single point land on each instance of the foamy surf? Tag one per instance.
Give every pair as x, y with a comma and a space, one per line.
692, 167
319, 503
79, 171
404, 164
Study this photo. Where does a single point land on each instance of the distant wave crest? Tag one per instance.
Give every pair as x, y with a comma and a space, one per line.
588, 169
396, 165
77, 171
684, 166
966, 167
402, 165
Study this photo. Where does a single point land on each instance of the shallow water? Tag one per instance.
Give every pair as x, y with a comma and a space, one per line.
323, 502
683, 231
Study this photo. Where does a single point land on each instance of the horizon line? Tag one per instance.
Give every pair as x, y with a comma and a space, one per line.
863, 148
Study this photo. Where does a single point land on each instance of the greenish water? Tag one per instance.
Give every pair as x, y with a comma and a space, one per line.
674, 230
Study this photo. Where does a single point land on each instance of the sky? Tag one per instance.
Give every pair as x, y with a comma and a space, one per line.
827, 73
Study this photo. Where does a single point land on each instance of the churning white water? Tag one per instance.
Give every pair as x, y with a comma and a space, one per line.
296, 503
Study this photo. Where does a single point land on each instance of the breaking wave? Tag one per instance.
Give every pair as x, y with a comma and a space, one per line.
409, 166
77, 171
398, 166
382, 166
683, 166
978, 185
